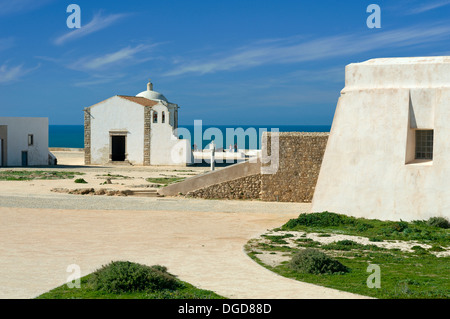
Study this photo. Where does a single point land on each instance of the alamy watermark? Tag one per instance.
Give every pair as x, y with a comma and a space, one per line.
268, 155
73, 280
374, 19
74, 19
374, 279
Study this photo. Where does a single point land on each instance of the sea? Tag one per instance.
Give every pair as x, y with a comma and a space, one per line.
72, 136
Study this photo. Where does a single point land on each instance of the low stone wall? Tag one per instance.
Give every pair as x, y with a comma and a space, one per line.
216, 177
298, 165
299, 161
248, 187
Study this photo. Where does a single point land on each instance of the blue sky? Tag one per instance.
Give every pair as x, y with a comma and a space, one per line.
236, 62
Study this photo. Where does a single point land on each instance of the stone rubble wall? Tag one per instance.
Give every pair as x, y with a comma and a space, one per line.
299, 161
300, 158
247, 187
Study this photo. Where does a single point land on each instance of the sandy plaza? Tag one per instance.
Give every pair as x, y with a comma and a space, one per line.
201, 241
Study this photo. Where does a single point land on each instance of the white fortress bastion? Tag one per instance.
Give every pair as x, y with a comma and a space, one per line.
388, 153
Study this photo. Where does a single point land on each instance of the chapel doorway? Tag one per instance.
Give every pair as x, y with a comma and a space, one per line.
118, 148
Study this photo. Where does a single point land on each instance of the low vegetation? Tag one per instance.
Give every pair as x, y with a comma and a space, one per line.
80, 181
127, 280
24, 175
420, 268
434, 230
164, 181
313, 261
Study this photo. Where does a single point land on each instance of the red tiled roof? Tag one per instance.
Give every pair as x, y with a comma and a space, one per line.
139, 100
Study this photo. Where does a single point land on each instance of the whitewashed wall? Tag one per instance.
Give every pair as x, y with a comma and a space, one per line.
166, 148
17, 140
368, 168
117, 114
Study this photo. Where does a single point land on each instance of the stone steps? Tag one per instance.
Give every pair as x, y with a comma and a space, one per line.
145, 193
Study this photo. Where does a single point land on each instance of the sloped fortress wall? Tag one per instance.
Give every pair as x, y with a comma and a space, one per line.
388, 152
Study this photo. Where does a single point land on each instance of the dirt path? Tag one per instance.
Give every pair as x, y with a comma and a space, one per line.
203, 248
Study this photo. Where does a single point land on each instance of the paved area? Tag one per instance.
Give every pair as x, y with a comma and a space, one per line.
198, 240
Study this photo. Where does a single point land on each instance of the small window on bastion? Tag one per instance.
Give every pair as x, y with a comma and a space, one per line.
155, 117
163, 117
424, 144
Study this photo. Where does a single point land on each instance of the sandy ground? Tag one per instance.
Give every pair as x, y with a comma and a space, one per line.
42, 233
126, 177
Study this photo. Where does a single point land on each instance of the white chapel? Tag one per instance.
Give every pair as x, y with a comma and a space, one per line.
136, 130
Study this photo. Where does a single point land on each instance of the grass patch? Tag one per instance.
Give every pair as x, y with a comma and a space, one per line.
307, 242
164, 181
422, 231
348, 245
126, 280
412, 274
11, 175
278, 239
80, 181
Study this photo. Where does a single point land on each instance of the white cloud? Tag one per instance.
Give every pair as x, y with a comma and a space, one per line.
97, 23
429, 6
104, 61
296, 50
99, 80
16, 6
9, 74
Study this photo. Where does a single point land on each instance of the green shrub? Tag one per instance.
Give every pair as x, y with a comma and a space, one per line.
80, 181
440, 222
399, 226
343, 245
436, 248
419, 250
313, 261
307, 242
324, 219
362, 227
125, 276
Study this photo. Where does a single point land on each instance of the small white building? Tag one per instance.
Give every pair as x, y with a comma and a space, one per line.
388, 152
138, 130
24, 141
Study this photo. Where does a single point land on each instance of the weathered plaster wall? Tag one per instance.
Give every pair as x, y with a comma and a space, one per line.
368, 168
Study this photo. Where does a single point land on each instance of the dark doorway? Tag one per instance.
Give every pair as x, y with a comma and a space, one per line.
2, 153
117, 148
24, 158
3, 144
